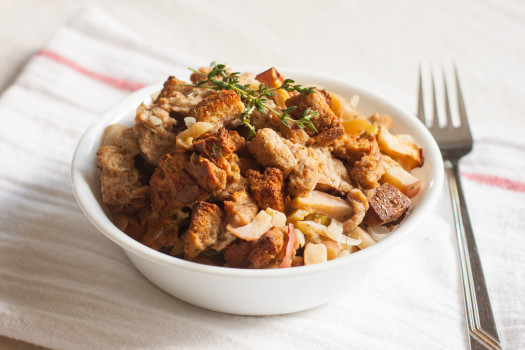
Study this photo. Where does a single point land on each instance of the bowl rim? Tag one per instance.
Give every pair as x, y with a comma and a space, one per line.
95, 213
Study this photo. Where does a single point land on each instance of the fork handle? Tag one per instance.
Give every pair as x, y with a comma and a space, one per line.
480, 319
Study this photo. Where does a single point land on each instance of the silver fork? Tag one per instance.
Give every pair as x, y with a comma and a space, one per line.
454, 143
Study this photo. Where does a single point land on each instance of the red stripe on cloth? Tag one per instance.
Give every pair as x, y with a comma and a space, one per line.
496, 181
116, 83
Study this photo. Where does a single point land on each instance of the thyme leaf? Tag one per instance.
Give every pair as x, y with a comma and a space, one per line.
255, 99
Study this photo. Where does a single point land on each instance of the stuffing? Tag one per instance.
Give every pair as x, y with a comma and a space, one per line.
271, 150
177, 98
367, 171
119, 179
240, 209
387, 205
267, 188
305, 176
219, 144
153, 131
210, 177
266, 250
220, 108
225, 171
259, 254
204, 228
353, 148
171, 186
325, 121
161, 232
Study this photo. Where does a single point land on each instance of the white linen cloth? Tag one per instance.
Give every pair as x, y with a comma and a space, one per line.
64, 285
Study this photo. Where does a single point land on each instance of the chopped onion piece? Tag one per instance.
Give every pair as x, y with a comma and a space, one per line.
261, 223
379, 233
354, 101
334, 231
189, 121
301, 240
343, 253
364, 236
298, 214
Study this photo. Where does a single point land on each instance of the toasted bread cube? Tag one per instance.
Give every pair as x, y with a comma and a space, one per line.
404, 152
204, 228
327, 124
220, 108
267, 188
387, 205
267, 249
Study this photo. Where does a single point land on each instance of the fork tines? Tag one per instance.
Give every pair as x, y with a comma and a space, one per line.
451, 102
443, 112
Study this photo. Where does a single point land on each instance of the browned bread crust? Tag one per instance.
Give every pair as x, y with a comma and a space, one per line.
204, 228
387, 205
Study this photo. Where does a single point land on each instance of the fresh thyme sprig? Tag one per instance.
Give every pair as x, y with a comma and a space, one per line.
287, 85
256, 99
306, 120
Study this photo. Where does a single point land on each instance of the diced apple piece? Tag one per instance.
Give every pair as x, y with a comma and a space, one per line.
366, 239
280, 96
270, 78
405, 153
402, 180
399, 177
388, 162
355, 126
406, 137
315, 253
332, 249
273, 79
342, 108
323, 203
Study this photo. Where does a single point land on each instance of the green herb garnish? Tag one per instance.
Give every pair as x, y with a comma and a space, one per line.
256, 99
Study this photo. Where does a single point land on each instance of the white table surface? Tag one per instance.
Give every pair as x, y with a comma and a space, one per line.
311, 35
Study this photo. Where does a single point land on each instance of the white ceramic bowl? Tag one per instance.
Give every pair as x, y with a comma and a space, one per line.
256, 292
